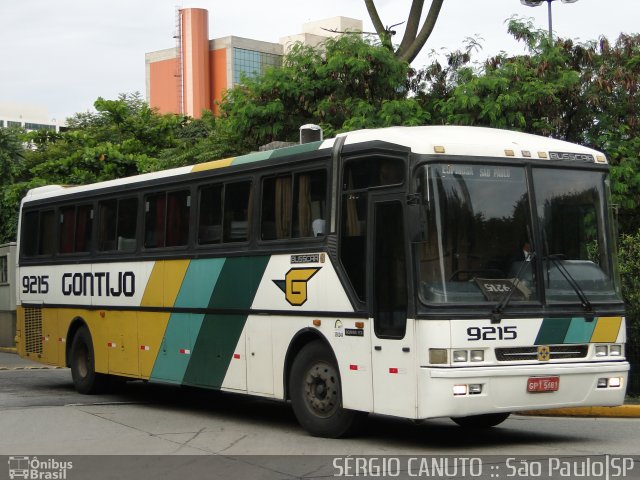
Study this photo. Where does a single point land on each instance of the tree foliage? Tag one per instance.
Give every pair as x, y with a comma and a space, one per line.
349, 83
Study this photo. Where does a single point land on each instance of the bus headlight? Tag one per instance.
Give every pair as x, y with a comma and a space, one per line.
460, 356
602, 350
615, 350
477, 355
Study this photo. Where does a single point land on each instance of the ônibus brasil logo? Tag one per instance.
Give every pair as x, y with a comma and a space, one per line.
35, 469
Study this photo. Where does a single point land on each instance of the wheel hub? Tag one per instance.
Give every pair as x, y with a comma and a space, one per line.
321, 389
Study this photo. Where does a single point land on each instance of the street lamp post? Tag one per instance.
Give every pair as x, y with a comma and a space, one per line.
537, 3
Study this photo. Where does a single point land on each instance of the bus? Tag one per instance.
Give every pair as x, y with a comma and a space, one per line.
417, 272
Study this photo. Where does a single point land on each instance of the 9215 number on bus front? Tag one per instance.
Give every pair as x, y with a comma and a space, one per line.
492, 333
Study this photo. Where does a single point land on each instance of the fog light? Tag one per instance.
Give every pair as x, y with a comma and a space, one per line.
459, 389
460, 356
437, 356
477, 355
475, 389
615, 382
602, 383
615, 350
602, 350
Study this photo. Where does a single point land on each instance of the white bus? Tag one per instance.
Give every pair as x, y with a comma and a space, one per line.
411, 271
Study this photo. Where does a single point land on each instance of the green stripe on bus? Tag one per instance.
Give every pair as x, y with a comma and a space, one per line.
252, 157
218, 337
580, 330
183, 328
238, 283
297, 149
175, 351
199, 281
553, 331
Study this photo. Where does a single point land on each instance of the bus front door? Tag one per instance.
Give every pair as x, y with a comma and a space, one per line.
393, 358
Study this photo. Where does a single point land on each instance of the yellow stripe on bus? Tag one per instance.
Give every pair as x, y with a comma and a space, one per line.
211, 165
164, 283
606, 330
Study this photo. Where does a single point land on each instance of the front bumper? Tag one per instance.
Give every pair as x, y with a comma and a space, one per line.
504, 388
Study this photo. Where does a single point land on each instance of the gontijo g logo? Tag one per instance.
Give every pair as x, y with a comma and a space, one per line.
294, 284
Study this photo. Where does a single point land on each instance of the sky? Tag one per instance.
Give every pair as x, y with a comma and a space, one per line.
64, 54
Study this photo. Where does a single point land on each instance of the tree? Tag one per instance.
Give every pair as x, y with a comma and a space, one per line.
587, 93
350, 83
12, 153
413, 40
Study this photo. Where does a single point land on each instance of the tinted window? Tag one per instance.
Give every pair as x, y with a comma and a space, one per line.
75, 229
294, 212
236, 211
210, 217
117, 228
372, 172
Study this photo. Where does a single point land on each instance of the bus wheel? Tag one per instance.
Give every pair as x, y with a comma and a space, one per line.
481, 421
85, 378
316, 394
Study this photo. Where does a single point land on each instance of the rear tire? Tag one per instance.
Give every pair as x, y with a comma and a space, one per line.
83, 372
481, 421
316, 394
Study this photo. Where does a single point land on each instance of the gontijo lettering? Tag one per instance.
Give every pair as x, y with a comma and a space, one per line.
98, 284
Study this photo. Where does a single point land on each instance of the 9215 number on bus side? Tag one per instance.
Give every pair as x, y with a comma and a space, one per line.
35, 284
491, 333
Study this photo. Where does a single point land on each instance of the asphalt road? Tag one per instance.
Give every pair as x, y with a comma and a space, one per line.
41, 414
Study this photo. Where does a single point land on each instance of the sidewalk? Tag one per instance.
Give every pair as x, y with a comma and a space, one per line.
623, 411
9, 360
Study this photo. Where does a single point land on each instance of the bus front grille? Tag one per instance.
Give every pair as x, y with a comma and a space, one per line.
33, 329
556, 352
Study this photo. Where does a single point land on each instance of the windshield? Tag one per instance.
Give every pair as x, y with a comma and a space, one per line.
476, 238
573, 219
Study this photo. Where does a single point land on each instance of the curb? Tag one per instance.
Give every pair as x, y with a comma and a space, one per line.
623, 411
8, 350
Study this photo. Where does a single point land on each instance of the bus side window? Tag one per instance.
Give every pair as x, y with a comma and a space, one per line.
276, 208
237, 201
84, 228
178, 211
309, 204
127, 222
117, 227
210, 216
67, 229
154, 220
75, 229
29, 238
294, 212
47, 233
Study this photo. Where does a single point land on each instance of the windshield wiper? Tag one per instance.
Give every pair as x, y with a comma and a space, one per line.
496, 313
586, 304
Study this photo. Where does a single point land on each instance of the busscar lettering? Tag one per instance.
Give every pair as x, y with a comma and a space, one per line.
99, 284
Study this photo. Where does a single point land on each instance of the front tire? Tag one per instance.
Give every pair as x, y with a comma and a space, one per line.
83, 372
316, 394
481, 421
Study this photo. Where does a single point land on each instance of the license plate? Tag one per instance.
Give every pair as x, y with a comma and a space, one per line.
543, 384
